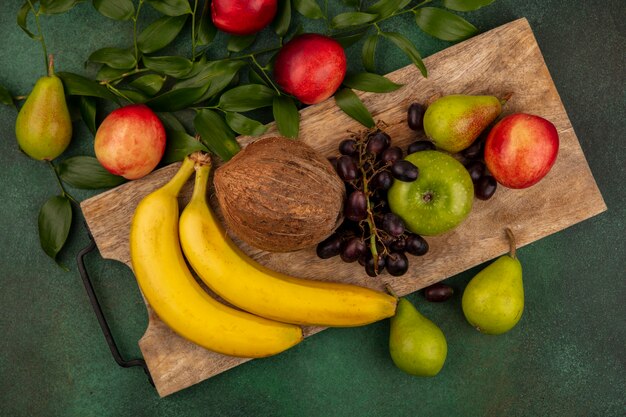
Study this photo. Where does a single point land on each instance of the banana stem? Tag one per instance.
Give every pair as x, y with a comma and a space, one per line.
513, 249
180, 178
201, 182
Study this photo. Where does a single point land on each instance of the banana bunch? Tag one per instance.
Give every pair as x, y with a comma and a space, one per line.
274, 299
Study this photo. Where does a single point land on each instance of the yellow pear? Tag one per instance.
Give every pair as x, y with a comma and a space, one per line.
44, 127
493, 300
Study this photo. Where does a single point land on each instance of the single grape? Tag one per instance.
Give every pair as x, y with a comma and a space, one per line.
369, 266
391, 155
416, 245
382, 180
415, 116
348, 147
485, 187
476, 169
420, 145
404, 171
397, 264
475, 150
356, 206
353, 249
393, 224
438, 292
346, 168
329, 247
398, 245
378, 142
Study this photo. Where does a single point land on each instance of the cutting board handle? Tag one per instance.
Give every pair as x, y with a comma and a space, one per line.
97, 309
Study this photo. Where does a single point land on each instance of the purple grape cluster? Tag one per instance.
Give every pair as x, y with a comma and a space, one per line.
371, 234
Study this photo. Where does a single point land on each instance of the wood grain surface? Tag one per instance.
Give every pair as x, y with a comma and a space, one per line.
505, 59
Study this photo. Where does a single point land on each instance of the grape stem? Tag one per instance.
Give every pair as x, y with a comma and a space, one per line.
374, 236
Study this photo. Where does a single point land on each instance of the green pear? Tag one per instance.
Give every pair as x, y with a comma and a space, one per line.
417, 346
44, 127
493, 300
454, 122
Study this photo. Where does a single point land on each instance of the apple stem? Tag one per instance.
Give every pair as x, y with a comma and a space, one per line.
512, 250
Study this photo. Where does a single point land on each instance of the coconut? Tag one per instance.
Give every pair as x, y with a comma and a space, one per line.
280, 195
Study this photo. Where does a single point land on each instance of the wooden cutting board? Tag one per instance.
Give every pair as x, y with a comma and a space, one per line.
505, 59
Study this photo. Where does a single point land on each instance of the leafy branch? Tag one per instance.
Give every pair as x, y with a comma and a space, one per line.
219, 91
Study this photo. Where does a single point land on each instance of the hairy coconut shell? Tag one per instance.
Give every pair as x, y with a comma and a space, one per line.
280, 195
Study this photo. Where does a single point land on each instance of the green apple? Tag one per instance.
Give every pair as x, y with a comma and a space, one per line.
438, 200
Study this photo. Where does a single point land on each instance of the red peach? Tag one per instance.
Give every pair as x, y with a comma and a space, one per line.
311, 67
242, 17
521, 149
130, 141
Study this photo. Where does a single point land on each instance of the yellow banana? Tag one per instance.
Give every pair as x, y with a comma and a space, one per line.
248, 285
178, 299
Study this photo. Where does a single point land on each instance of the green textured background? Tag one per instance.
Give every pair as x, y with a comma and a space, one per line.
565, 358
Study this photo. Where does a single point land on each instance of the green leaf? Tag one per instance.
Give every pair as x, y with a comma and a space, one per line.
6, 97
179, 145
369, 52
287, 116
22, 19
88, 112
114, 58
349, 40
171, 122
308, 8
385, 8
149, 84
283, 18
408, 48
77, 85
345, 20
466, 5
171, 7
196, 68
443, 24
115, 9
55, 219
56, 6
175, 66
244, 125
352, 3
133, 95
160, 33
73, 107
205, 29
216, 134
352, 105
85, 172
218, 73
366, 81
107, 73
175, 100
239, 43
255, 78
247, 97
